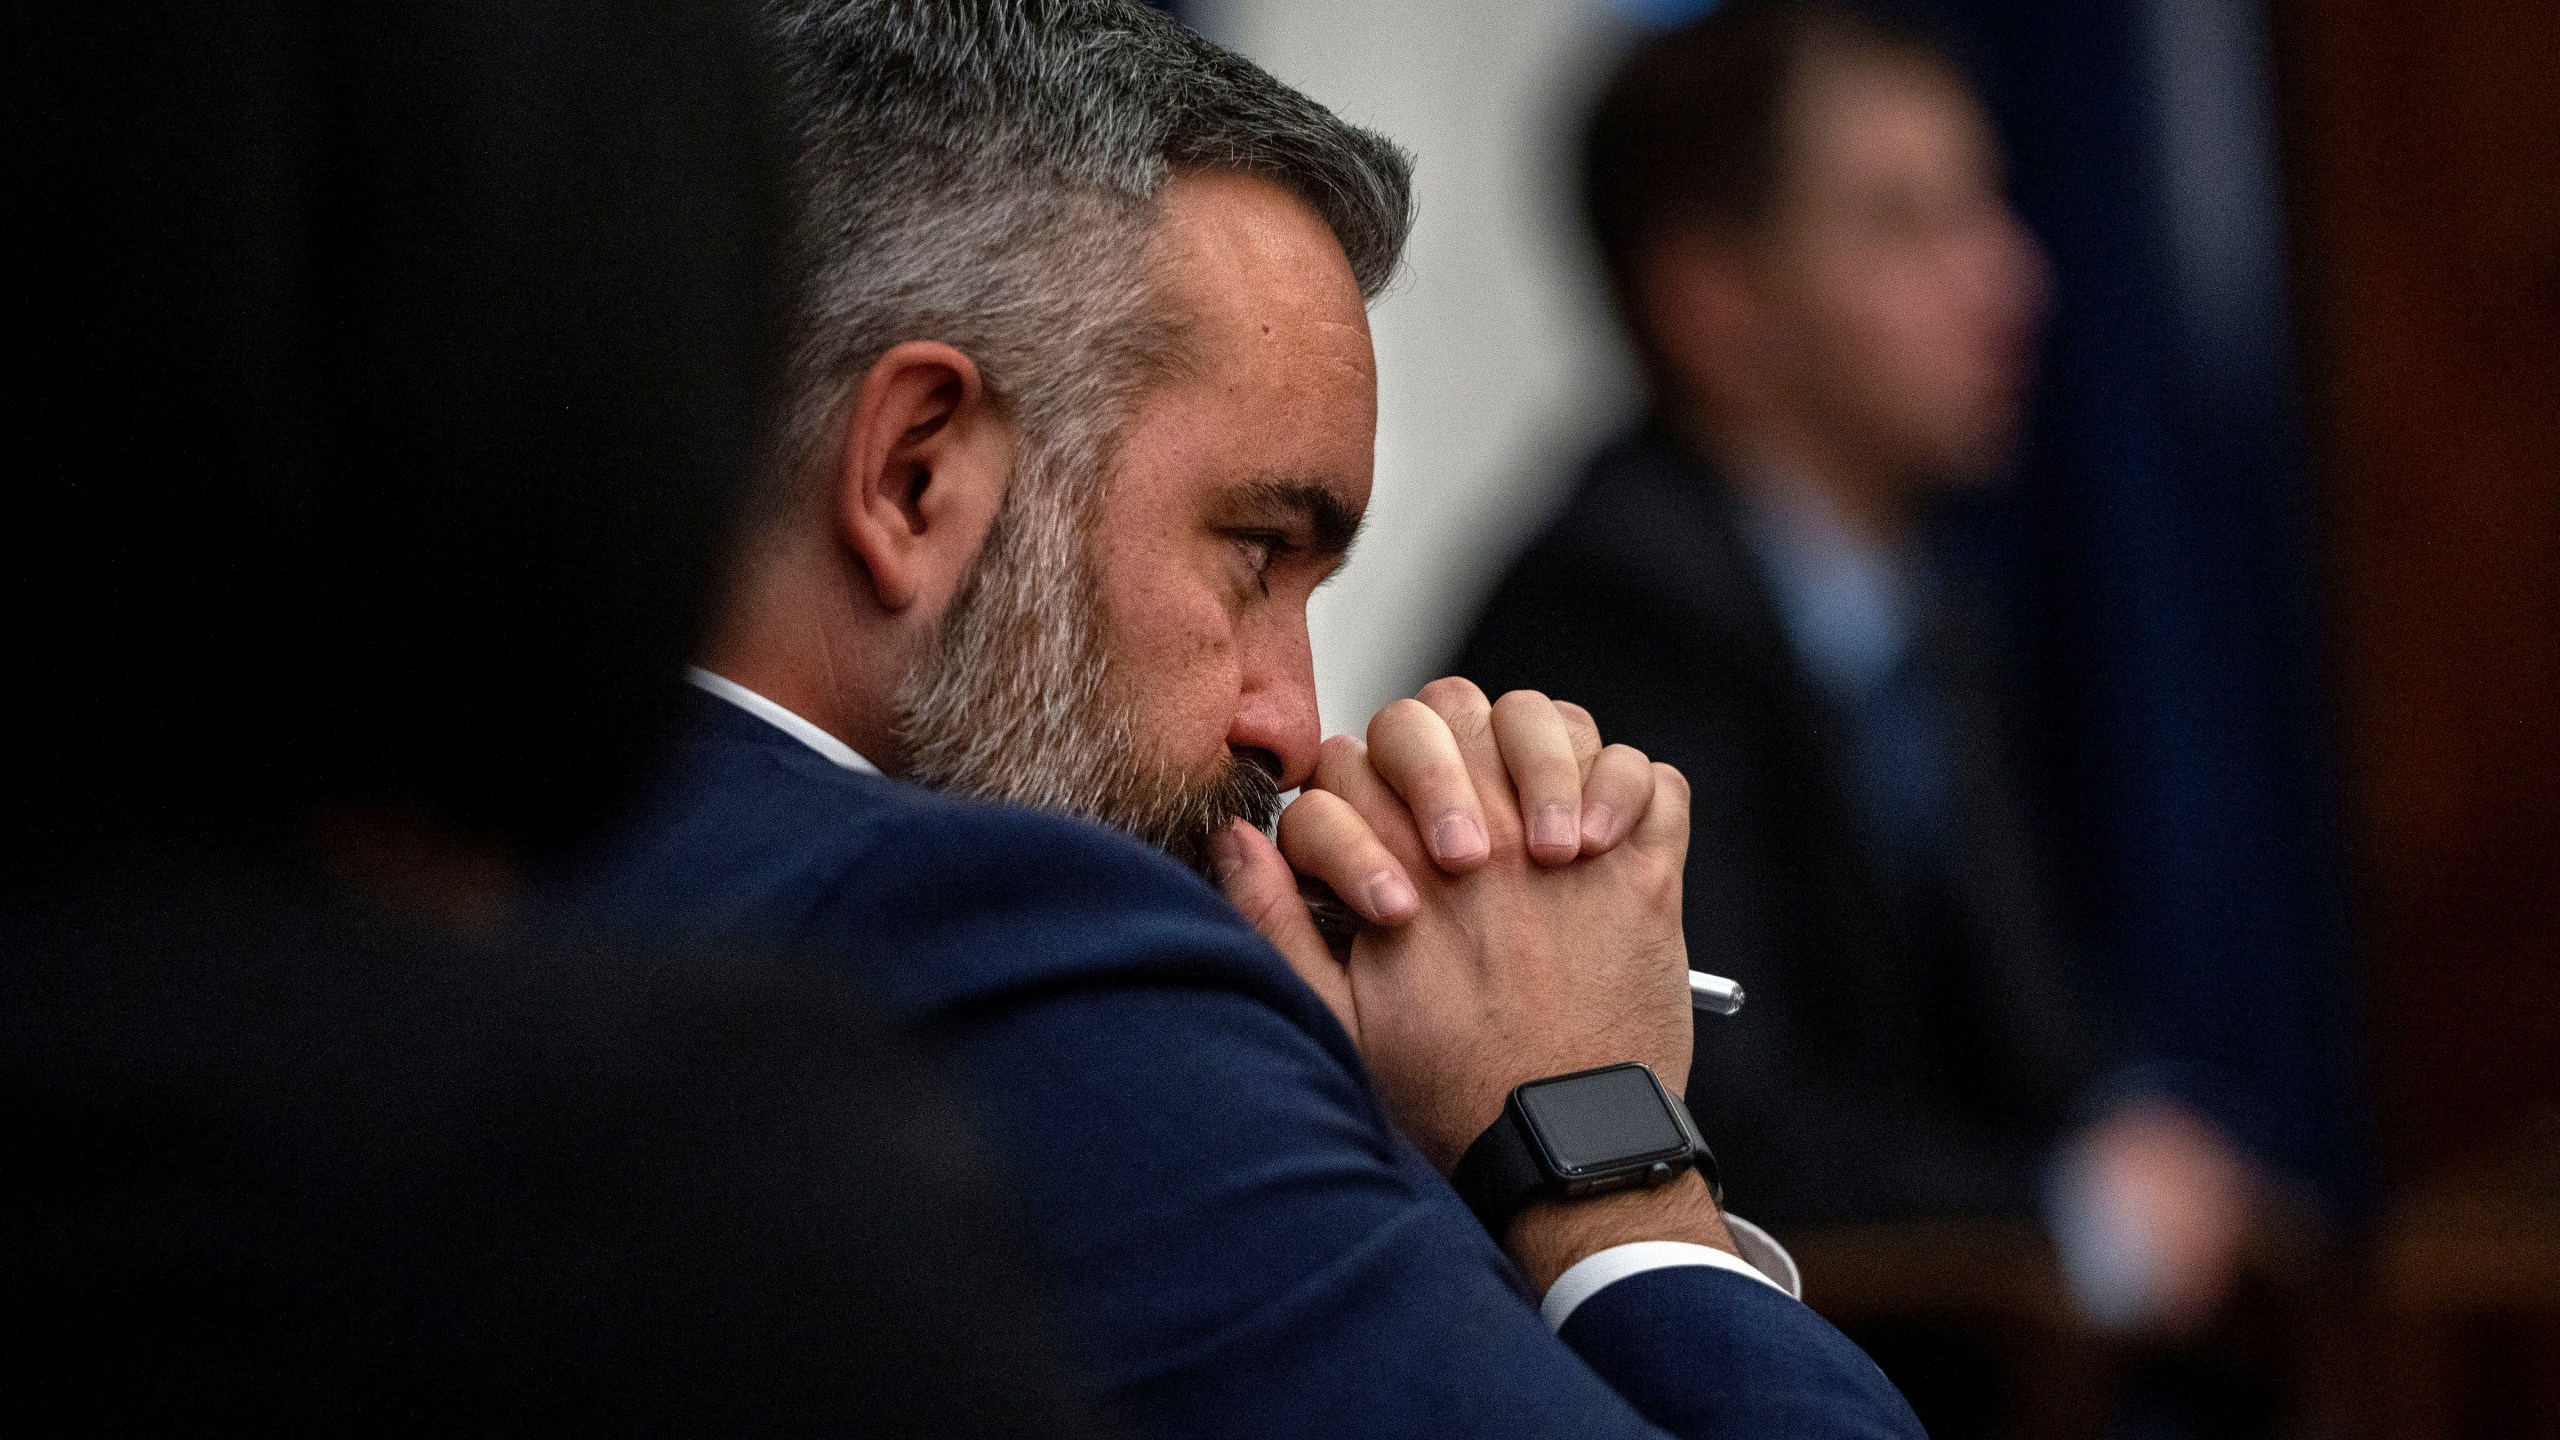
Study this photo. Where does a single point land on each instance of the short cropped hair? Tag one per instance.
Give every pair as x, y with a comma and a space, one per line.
988, 172
1691, 130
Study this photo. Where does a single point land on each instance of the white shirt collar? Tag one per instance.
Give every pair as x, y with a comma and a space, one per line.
781, 719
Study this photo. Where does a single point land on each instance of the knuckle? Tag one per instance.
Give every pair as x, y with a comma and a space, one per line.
1654, 878
1262, 908
1460, 704
1470, 726
1339, 762
1399, 717
1452, 690
1301, 814
1670, 778
1326, 816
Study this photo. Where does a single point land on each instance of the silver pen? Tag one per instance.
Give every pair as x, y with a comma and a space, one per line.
1714, 993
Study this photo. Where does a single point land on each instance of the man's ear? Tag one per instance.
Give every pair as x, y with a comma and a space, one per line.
922, 470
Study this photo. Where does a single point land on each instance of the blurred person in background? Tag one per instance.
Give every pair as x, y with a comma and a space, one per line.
1800, 210
392, 377
1083, 411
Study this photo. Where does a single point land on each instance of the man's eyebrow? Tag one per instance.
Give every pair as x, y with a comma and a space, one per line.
1333, 525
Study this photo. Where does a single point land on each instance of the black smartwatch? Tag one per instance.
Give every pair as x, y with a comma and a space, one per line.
1571, 1136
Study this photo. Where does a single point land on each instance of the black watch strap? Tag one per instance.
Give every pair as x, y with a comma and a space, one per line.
1500, 1175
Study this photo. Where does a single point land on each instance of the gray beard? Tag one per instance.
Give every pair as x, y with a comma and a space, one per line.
1015, 700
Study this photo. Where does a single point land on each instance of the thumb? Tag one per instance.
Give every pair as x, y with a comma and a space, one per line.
1260, 884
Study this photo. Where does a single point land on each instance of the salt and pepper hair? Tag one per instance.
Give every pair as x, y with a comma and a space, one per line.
988, 173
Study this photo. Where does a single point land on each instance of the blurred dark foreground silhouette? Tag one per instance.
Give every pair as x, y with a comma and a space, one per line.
395, 374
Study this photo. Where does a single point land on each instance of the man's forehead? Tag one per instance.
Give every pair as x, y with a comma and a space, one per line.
1245, 256
1278, 395
1856, 114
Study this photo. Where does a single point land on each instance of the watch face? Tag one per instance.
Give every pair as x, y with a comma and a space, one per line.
1602, 1120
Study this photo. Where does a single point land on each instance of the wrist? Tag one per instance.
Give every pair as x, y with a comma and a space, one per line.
1548, 1237
1578, 1136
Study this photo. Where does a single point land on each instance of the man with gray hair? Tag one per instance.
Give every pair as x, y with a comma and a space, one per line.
1082, 411
1004, 205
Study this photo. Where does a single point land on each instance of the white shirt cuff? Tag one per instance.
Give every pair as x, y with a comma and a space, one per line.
1595, 1273
1766, 1255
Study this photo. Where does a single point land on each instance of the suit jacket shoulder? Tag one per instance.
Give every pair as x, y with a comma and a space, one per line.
951, 902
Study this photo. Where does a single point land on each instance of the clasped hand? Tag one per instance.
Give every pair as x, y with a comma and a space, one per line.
1521, 884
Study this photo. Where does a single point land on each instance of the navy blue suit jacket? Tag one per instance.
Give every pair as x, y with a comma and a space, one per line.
1243, 1246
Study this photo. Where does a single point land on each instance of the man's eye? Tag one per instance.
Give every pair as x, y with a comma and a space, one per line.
1258, 552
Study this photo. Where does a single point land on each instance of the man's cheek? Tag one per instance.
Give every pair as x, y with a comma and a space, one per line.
1206, 700
1179, 662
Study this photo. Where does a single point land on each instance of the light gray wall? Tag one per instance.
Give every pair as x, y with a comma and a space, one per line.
1497, 366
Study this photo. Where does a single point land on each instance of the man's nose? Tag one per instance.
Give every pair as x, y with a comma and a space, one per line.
1277, 714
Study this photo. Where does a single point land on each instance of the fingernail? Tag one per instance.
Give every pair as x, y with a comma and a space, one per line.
1226, 857
1596, 820
1458, 837
1390, 894
1552, 828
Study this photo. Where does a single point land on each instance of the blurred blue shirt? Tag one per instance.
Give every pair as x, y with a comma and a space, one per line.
1852, 611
